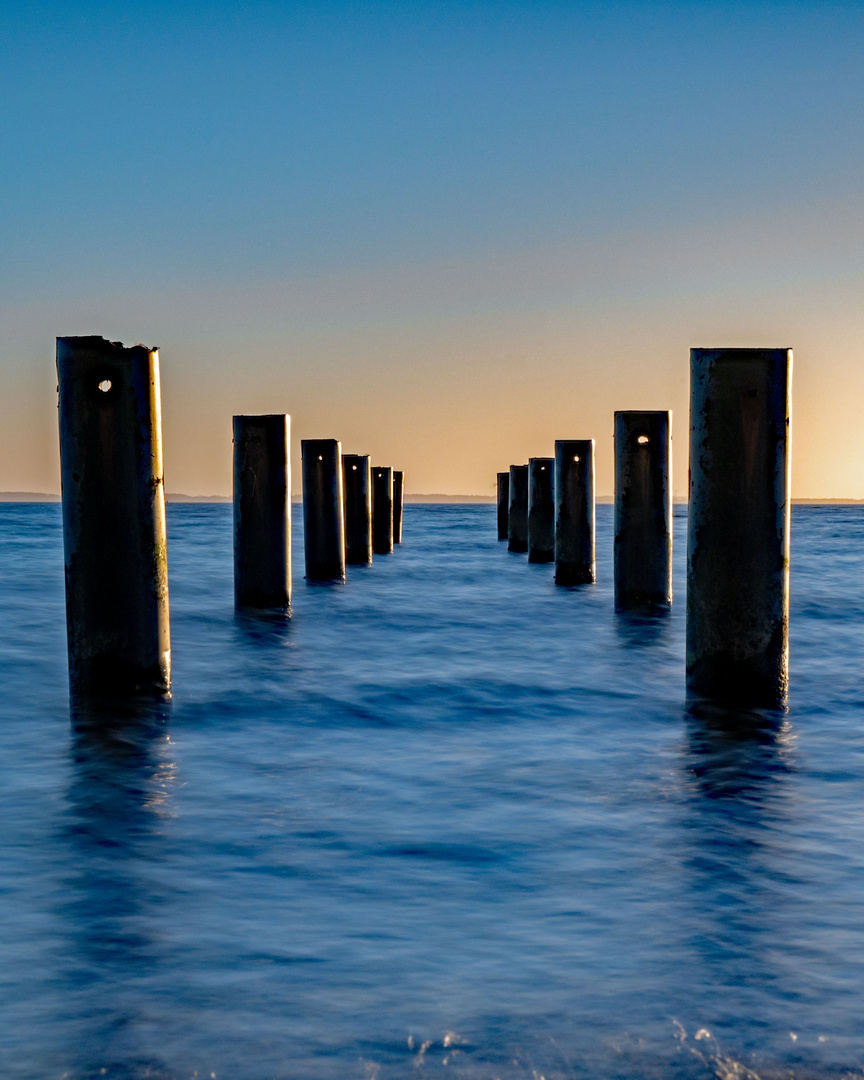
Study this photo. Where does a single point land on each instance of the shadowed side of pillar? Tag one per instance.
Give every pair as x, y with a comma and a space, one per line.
503, 505
323, 514
643, 509
517, 517
574, 512
541, 510
357, 489
398, 500
382, 509
738, 525
262, 512
113, 519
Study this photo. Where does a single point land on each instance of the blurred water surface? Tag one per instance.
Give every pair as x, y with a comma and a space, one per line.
449, 820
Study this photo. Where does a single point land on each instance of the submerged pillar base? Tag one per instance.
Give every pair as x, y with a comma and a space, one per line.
574, 574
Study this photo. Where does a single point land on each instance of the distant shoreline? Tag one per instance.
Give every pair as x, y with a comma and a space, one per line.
434, 499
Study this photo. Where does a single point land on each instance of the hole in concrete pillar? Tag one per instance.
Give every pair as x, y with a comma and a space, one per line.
642, 440
105, 385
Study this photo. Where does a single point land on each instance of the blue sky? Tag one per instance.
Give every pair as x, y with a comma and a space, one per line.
230, 149
230, 140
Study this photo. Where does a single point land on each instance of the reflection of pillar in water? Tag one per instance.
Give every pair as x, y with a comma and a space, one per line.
262, 512
574, 511
541, 510
738, 525
382, 509
109, 905
398, 498
643, 509
357, 488
517, 518
113, 518
503, 504
323, 521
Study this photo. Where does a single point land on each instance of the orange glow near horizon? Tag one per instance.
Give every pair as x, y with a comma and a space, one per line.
453, 371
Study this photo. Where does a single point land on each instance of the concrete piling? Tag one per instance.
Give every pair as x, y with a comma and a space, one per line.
541, 510
398, 499
738, 525
113, 519
357, 488
643, 509
503, 505
262, 512
574, 512
382, 510
517, 517
323, 514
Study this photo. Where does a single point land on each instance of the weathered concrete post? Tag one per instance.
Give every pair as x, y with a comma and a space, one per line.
738, 525
503, 505
382, 509
574, 511
262, 511
643, 509
517, 516
323, 515
398, 499
357, 488
541, 510
113, 519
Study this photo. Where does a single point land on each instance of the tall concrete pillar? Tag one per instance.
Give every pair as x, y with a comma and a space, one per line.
503, 505
323, 514
541, 510
517, 518
262, 511
382, 509
357, 487
113, 519
574, 512
738, 525
643, 509
398, 499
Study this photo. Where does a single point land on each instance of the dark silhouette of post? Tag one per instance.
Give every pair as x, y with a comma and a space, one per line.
113, 519
382, 509
398, 499
323, 520
541, 510
262, 512
643, 509
574, 512
738, 525
503, 505
357, 488
517, 516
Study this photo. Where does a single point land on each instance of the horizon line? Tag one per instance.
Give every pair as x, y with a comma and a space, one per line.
418, 496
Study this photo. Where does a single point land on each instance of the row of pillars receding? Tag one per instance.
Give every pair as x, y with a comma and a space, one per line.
737, 634
114, 535
547, 509
738, 521
351, 510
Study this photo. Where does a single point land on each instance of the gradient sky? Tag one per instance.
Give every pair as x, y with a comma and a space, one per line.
447, 234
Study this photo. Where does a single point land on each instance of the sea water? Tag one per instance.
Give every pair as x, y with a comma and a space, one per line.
450, 820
